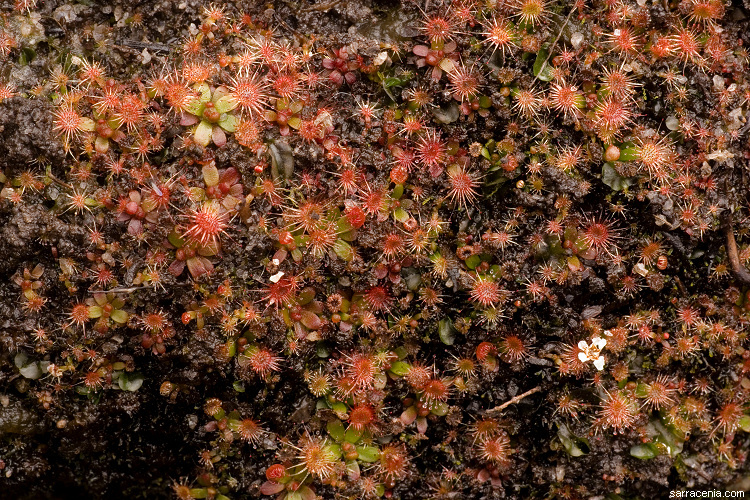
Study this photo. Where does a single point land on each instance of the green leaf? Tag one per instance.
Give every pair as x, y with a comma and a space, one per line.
665, 438
343, 250
611, 178
225, 104
440, 409
228, 122
27, 55
343, 225
119, 316
203, 133
295, 122
352, 470
334, 450
401, 215
210, 174
176, 240
745, 423
446, 331
641, 390
368, 454
447, 65
130, 381
449, 113
199, 493
409, 415
473, 261
644, 451
86, 124
336, 430
339, 408
628, 154
101, 144
31, 371
204, 90
218, 136
305, 493
195, 107
541, 68
322, 351
400, 368
352, 435
311, 320
21, 359
574, 446
219, 92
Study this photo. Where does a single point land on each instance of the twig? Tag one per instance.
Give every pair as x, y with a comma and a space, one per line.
152, 46
130, 289
551, 47
59, 182
734, 259
516, 399
323, 7
120, 290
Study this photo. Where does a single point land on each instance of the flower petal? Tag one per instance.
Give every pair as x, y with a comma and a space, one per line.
599, 363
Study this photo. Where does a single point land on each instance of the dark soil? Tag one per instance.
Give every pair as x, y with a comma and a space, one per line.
59, 439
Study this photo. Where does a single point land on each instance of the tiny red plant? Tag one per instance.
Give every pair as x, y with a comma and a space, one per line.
261, 361
248, 430
207, 223
431, 151
513, 348
464, 83
486, 292
462, 187
434, 392
362, 417
393, 463
250, 93
495, 449
317, 457
439, 28
499, 34
625, 41
659, 393
728, 418
79, 315
617, 412
275, 472
530, 12
282, 292
600, 235
361, 370
378, 299
567, 99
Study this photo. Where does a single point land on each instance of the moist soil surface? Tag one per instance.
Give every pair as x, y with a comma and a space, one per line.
145, 428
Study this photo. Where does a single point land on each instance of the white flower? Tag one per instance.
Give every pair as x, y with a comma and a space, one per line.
599, 363
276, 277
592, 352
